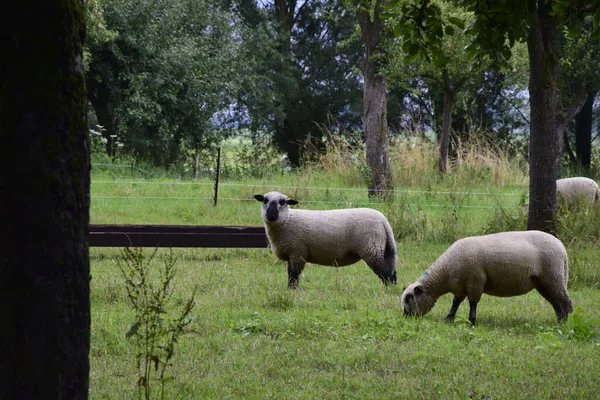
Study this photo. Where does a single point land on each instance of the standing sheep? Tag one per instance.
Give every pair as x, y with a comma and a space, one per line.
578, 189
501, 264
333, 237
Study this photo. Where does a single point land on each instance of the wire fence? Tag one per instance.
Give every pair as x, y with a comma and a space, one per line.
407, 193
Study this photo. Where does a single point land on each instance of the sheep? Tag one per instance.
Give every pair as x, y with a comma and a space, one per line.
330, 237
500, 264
578, 189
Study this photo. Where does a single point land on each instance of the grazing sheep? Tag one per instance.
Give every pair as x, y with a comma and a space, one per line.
578, 189
332, 237
501, 264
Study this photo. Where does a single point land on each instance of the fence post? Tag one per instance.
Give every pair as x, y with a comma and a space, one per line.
217, 175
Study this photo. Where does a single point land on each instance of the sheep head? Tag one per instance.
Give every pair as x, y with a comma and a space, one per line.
416, 301
274, 208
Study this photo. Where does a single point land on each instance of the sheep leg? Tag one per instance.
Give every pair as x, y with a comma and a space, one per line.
295, 268
472, 311
456, 301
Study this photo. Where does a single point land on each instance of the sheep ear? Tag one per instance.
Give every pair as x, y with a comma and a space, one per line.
259, 197
292, 202
418, 290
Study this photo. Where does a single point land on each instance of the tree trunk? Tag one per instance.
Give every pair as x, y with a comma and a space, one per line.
44, 202
285, 14
196, 165
449, 99
583, 132
99, 96
575, 105
544, 140
374, 103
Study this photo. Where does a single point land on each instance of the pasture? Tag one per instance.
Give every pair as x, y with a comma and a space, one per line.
342, 333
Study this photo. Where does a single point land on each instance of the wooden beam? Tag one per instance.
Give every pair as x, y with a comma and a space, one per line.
177, 236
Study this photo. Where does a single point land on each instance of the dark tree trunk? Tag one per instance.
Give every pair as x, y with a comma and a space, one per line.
285, 13
583, 132
566, 116
449, 99
99, 96
375, 107
544, 140
44, 202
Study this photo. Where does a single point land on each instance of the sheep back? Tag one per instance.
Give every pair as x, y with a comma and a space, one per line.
504, 264
578, 189
332, 237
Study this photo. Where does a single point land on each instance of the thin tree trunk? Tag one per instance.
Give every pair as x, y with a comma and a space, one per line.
101, 103
196, 165
544, 140
583, 132
44, 202
449, 99
374, 103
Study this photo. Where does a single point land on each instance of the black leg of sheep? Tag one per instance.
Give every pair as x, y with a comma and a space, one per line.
472, 311
294, 271
456, 301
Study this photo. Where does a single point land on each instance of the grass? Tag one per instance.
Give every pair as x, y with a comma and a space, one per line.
342, 333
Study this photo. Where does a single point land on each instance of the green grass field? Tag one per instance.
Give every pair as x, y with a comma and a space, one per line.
342, 333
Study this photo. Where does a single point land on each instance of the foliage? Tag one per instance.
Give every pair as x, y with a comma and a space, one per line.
578, 327
165, 71
307, 77
155, 330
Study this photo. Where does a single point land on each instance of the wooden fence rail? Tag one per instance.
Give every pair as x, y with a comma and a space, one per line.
177, 236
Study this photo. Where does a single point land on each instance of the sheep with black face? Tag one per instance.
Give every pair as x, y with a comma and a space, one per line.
328, 237
501, 264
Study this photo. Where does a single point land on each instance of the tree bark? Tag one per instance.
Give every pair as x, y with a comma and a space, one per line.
575, 106
44, 202
583, 132
99, 97
449, 99
544, 140
374, 103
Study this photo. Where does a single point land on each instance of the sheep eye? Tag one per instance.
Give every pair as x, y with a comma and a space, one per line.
282, 202
266, 201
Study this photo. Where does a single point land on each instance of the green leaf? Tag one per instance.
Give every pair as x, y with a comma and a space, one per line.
595, 35
457, 21
597, 19
449, 30
387, 15
413, 49
438, 57
398, 30
133, 330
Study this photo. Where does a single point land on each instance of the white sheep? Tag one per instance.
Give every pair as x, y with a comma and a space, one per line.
578, 189
501, 264
329, 237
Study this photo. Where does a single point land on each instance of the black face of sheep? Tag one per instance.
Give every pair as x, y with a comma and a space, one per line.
272, 206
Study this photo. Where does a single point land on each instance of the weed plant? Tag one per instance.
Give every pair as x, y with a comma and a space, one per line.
156, 330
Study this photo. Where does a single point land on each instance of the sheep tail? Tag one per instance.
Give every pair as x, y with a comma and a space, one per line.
566, 269
390, 254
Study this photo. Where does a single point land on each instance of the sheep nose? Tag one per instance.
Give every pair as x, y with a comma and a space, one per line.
272, 217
